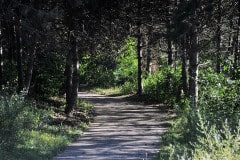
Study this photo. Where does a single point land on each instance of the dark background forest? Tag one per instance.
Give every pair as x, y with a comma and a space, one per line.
181, 53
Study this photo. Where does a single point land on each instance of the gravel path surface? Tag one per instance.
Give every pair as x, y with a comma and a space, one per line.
121, 130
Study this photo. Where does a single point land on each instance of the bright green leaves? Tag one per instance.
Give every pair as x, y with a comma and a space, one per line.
127, 63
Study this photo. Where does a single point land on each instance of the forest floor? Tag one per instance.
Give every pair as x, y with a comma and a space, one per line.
121, 130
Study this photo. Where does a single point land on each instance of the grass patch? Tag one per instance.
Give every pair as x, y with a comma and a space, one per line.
112, 91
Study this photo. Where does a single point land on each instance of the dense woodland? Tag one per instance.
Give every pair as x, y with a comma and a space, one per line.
183, 53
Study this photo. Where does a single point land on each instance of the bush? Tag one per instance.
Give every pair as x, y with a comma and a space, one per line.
127, 70
16, 116
128, 88
97, 71
211, 131
164, 86
219, 98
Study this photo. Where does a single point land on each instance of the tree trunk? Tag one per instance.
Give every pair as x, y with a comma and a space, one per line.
1, 60
149, 60
29, 71
11, 41
218, 38
169, 46
139, 51
230, 38
68, 83
184, 66
72, 77
149, 52
19, 60
169, 41
236, 47
193, 67
75, 76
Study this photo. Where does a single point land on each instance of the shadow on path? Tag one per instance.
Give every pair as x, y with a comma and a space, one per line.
120, 131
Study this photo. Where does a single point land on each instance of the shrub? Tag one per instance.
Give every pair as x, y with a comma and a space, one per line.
164, 86
16, 116
212, 131
97, 71
219, 98
128, 88
126, 70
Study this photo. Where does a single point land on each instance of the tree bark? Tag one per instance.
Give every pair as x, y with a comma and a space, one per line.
149, 52
72, 75
193, 67
169, 45
68, 83
218, 38
29, 72
236, 47
19, 60
1, 53
75, 74
184, 77
149, 60
139, 51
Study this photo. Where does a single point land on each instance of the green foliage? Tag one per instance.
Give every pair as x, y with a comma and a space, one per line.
164, 86
129, 88
211, 142
217, 143
219, 97
127, 63
95, 71
48, 76
27, 132
16, 117
211, 131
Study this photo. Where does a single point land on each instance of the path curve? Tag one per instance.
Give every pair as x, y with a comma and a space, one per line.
121, 131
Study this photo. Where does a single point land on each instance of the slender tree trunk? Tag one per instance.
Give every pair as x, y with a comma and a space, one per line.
169, 41
184, 77
11, 41
236, 46
29, 72
19, 60
68, 83
218, 38
1, 53
193, 67
230, 38
169, 46
149, 60
139, 51
149, 53
72, 73
75, 76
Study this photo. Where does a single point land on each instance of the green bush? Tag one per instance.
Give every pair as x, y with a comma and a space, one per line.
128, 88
127, 70
219, 98
16, 116
48, 75
164, 86
211, 131
97, 71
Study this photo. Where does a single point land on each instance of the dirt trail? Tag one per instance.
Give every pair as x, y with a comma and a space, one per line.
121, 131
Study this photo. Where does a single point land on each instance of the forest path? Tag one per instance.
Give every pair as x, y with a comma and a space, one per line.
121, 130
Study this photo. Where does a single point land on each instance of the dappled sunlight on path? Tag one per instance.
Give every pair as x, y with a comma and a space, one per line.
120, 131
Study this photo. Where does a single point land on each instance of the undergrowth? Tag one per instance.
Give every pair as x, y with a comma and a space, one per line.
34, 130
212, 132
